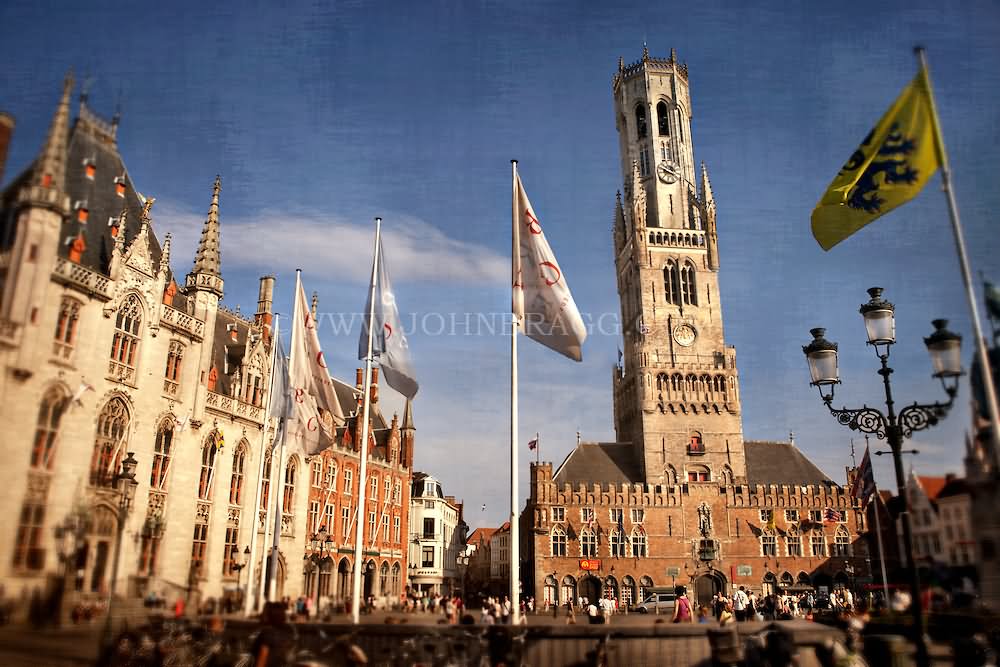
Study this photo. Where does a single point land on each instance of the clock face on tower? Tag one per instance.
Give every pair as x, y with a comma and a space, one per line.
666, 172
684, 335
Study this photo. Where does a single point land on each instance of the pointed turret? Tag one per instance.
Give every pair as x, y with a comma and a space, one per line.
47, 186
708, 199
207, 263
407, 432
408, 416
619, 224
637, 193
165, 254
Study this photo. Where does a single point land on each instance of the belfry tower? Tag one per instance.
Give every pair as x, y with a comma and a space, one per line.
676, 391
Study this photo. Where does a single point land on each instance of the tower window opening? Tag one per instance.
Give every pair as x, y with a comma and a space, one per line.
663, 119
644, 161
640, 122
687, 286
671, 283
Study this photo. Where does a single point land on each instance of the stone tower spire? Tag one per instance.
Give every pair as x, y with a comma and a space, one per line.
50, 169
407, 433
207, 263
676, 399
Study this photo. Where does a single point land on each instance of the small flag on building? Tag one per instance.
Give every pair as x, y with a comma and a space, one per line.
864, 480
533, 444
832, 516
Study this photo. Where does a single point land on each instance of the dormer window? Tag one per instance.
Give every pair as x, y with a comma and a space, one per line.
82, 212
114, 222
120, 186
233, 333
89, 168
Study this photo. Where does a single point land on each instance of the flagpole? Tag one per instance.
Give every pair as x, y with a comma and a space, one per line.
363, 445
515, 564
956, 224
248, 598
881, 551
538, 448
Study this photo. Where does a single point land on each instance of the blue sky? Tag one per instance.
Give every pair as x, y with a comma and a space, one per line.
319, 119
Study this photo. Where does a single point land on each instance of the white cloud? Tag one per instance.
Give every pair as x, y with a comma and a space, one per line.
331, 246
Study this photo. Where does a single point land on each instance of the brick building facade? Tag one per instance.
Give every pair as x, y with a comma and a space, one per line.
680, 497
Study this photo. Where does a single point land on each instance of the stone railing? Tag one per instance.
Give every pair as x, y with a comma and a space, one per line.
61, 351
91, 282
170, 388
175, 319
234, 406
677, 239
157, 500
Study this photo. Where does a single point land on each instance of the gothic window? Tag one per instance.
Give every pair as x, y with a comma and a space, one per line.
231, 552
696, 445
688, 289
616, 544
69, 317
288, 496
161, 454
175, 355
793, 543
236, 480
663, 119
28, 552
383, 578
671, 475
112, 425
50, 413
125, 345
640, 122
199, 544
558, 538
768, 544
727, 475
671, 283
841, 543
588, 544
265, 482
208, 453
644, 161
818, 543
253, 382
638, 542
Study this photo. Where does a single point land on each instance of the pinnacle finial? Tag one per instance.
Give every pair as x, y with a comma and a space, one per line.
165, 252
673, 55
50, 170
645, 52
408, 415
621, 64
120, 234
314, 305
207, 259
146, 207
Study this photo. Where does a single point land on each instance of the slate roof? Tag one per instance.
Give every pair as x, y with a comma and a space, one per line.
780, 463
956, 486
227, 354
602, 462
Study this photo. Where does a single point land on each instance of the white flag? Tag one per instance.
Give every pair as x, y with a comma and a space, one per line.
82, 389
316, 410
389, 345
542, 300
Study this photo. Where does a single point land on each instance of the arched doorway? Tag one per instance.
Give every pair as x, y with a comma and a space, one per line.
277, 583
610, 588
100, 544
343, 579
550, 592
769, 584
590, 588
707, 585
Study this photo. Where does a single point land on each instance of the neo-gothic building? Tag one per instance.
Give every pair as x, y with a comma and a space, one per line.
680, 497
104, 350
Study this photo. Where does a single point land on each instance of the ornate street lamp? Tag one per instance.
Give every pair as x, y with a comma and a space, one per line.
945, 351
238, 566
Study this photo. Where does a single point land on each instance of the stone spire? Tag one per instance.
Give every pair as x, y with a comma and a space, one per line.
408, 416
706, 188
165, 254
207, 259
708, 220
50, 169
207, 264
637, 193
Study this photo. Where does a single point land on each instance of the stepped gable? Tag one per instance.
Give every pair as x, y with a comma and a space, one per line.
599, 462
770, 462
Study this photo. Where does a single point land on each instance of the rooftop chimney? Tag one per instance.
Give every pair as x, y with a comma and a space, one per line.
265, 302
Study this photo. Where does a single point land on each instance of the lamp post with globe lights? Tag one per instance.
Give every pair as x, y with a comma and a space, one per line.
945, 351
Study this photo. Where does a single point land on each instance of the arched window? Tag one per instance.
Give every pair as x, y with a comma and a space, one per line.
253, 381
818, 542
662, 119
768, 544
288, 495
550, 591
611, 588
50, 413
695, 444
112, 427
793, 543
236, 480
208, 453
161, 454
727, 474
768, 583
395, 578
638, 542
383, 579
558, 539
65, 335
671, 283
689, 292
175, 356
569, 589
616, 544
125, 345
588, 544
265, 482
786, 580
671, 475
640, 121
842, 543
